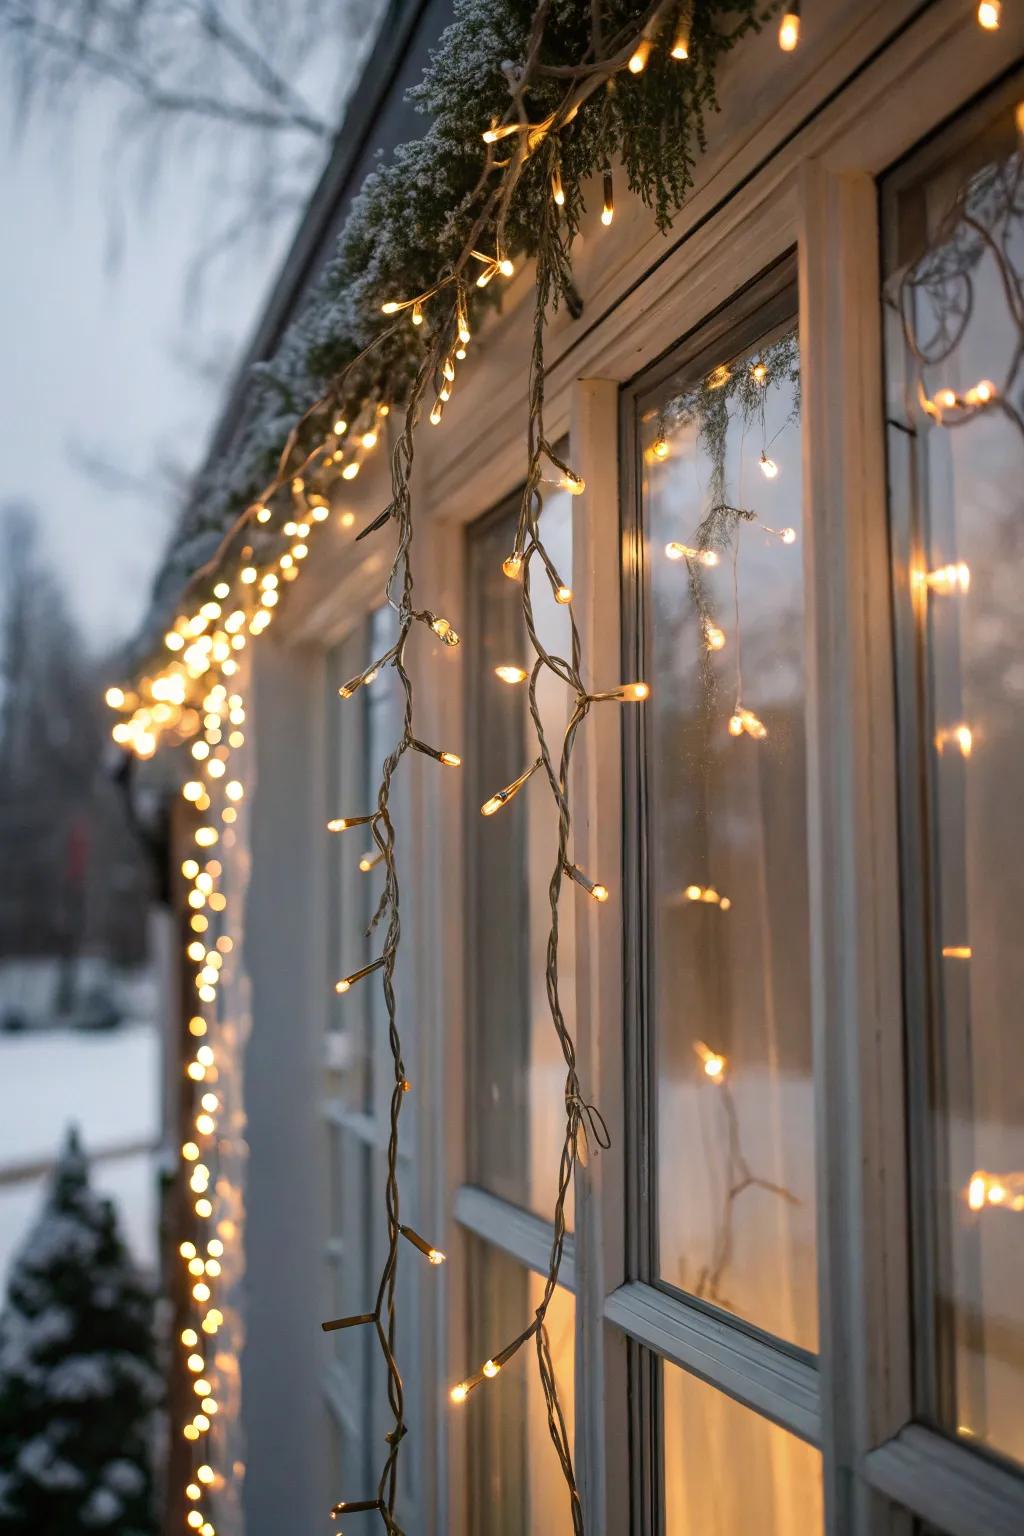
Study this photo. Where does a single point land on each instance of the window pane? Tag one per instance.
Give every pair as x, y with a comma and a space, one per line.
955, 236
728, 1472
517, 1484
726, 830
516, 1102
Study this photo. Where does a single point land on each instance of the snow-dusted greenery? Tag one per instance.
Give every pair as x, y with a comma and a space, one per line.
78, 1382
412, 216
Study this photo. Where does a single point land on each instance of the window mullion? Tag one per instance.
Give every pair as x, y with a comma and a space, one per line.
753, 1370
856, 990
602, 1428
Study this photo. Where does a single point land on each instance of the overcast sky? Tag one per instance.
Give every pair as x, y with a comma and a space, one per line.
94, 357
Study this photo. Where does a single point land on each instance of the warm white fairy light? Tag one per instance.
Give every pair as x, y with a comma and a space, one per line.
677, 551
639, 57
789, 28
681, 41
713, 1062
708, 895
1004, 1190
946, 580
959, 736
990, 14
745, 721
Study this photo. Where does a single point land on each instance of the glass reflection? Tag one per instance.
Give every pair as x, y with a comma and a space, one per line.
728, 1472
725, 774
516, 1106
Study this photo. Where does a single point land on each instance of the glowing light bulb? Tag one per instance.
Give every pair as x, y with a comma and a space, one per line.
557, 190
714, 638
949, 578
195, 1363
450, 759
351, 470
340, 426
190, 1151
608, 205
115, 697
990, 14
417, 314
511, 674
444, 631
946, 399
369, 439
677, 551
436, 412
490, 1369
759, 373
205, 1474
681, 42
713, 1062
460, 1393
769, 468
961, 735
435, 1256
573, 484
563, 595
391, 307
660, 448
513, 567
789, 31
639, 57
745, 720
636, 692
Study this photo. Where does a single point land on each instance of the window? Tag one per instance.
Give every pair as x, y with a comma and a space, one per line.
516, 1082
516, 1106
719, 1003
954, 244
728, 1471
723, 768
517, 1481
358, 1070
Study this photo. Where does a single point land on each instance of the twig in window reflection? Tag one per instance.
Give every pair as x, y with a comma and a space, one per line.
739, 1178
939, 289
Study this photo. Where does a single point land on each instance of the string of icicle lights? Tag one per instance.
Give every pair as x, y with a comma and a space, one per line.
194, 696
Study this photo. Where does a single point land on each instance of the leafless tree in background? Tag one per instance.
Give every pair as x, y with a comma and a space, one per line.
72, 871
261, 83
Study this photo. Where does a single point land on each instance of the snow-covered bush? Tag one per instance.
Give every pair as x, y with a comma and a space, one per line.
78, 1380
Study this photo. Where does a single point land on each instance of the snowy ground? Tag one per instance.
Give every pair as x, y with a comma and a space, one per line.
109, 1085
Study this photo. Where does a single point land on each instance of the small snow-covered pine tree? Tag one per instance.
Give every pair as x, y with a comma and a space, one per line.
78, 1380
